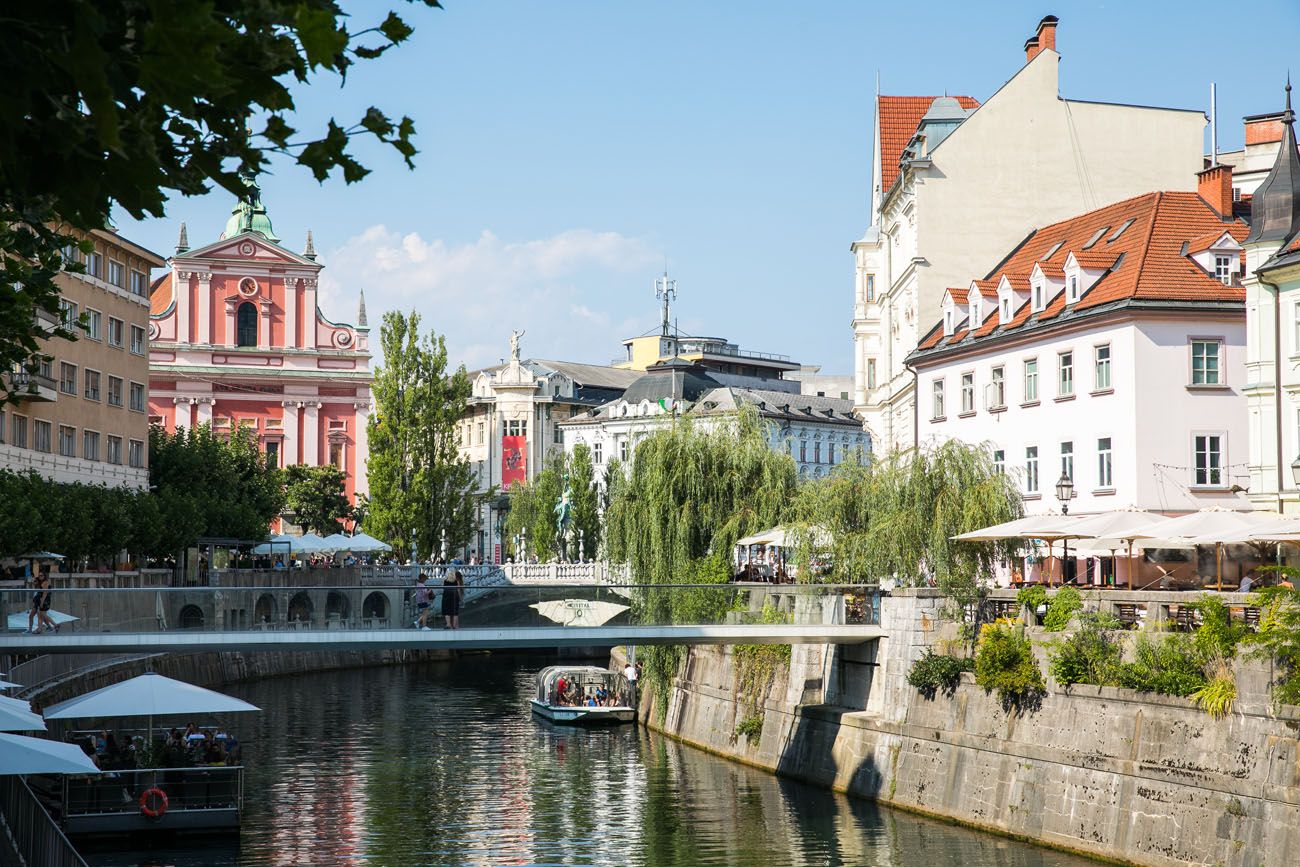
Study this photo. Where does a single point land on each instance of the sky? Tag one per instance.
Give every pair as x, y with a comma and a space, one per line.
570, 149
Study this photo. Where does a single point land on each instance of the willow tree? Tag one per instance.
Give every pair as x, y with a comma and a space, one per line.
692, 491
896, 517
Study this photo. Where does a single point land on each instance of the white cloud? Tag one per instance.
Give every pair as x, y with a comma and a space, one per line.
570, 292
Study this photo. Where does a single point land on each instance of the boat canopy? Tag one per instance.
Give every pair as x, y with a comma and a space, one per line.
584, 678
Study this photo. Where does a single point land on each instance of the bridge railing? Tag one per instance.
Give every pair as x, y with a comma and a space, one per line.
492, 602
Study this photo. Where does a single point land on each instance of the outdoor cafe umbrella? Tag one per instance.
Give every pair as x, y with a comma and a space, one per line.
18, 620
1048, 527
150, 694
8, 684
1212, 525
15, 719
364, 543
24, 755
1121, 525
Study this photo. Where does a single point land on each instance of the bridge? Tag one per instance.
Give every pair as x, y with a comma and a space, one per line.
495, 616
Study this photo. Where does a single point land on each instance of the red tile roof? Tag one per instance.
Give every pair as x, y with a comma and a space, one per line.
1204, 242
160, 294
898, 118
1146, 259
958, 295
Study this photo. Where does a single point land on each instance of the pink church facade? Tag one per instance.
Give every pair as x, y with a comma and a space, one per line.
236, 339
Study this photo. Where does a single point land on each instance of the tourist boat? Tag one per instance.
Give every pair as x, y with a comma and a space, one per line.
567, 695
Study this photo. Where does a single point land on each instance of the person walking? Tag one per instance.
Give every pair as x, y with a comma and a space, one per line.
423, 595
452, 590
40, 610
633, 673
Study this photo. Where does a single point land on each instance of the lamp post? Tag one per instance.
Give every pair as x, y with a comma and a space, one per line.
1064, 492
523, 557
582, 557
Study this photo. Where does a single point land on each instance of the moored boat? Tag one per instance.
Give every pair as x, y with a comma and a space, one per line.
583, 695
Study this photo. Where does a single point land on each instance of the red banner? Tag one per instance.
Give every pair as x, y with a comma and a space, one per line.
514, 460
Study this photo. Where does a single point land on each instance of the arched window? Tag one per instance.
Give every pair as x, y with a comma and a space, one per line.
246, 324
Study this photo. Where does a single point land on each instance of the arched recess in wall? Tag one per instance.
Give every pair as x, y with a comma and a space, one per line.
246, 324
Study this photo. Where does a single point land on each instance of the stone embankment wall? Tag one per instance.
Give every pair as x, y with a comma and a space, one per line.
1113, 773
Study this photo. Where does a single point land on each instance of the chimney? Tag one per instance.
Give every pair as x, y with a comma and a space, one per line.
1031, 48
1215, 186
1047, 33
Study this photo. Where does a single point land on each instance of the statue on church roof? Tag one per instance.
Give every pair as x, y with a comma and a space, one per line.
249, 214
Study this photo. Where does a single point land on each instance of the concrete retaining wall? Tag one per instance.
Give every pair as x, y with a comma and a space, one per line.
1132, 777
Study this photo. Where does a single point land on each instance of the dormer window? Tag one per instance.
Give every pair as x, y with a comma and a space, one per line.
949, 319
1039, 296
973, 316
1223, 269
1004, 310
1072, 288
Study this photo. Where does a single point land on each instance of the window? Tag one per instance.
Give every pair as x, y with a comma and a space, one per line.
94, 324
246, 325
1223, 269
92, 385
1065, 374
71, 255
67, 441
135, 453
1205, 362
137, 340
1104, 476
115, 391
137, 397
871, 288
1067, 460
1072, 288
139, 283
999, 461
69, 311
1031, 470
336, 454
598, 452
95, 265
622, 450
67, 378
998, 387
1208, 467
817, 453
1040, 300
1031, 380
481, 426
830, 452
1115, 234
90, 445
967, 392
18, 431
937, 404
116, 274
114, 454
803, 451
273, 454
2, 427
871, 373
1004, 311
1101, 367
515, 428
116, 331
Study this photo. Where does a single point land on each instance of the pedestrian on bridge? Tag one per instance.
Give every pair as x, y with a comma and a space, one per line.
423, 595
453, 588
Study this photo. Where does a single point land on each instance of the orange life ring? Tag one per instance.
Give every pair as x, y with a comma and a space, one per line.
153, 803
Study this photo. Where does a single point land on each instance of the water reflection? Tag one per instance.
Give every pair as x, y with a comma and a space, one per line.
443, 765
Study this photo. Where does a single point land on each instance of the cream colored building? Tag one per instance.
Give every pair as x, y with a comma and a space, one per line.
83, 416
957, 184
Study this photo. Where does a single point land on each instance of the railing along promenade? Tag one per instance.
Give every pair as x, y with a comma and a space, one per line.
1174, 609
29, 831
494, 615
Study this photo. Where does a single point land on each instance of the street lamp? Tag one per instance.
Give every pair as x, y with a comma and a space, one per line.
1295, 471
1064, 491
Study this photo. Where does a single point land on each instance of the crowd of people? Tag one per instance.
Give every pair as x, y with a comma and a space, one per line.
453, 594
190, 747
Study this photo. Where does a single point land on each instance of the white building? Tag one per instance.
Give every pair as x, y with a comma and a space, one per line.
1273, 316
818, 432
513, 423
1109, 348
956, 184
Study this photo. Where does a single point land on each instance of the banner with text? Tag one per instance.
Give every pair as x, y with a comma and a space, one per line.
514, 460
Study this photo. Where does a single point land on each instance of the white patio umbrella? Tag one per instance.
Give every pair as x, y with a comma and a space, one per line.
8, 684
15, 719
364, 543
1212, 525
337, 542
1044, 527
1115, 529
578, 612
41, 555
18, 620
150, 694
18, 703
24, 755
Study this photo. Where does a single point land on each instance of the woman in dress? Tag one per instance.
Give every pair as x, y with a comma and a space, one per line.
453, 586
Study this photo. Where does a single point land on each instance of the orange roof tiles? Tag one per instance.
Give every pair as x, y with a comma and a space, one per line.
897, 118
160, 294
958, 295
1204, 242
1147, 259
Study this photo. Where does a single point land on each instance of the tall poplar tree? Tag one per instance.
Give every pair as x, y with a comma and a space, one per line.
419, 483
586, 500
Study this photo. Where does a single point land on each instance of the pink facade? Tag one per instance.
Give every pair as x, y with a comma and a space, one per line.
236, 339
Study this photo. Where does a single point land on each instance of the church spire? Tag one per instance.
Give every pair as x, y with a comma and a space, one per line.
310, 251
361, 312
1275, 207
183, 242
249, 214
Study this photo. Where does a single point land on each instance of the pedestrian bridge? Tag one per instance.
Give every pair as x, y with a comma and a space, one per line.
493, 617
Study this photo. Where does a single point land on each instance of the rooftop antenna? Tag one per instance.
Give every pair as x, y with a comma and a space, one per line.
1214, 128
666, 292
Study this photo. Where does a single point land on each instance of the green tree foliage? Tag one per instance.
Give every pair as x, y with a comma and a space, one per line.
935, 671
211, 486
532, 506
1088, 655
123, 102
1005, 663
82, 522
1062, 607
1278, 637
317, 496
586, 500
1167, 664
418, 479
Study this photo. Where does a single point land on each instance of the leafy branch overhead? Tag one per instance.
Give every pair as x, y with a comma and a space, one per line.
126, 102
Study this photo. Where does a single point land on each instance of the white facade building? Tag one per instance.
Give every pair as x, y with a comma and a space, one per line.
956, 184
1109, 348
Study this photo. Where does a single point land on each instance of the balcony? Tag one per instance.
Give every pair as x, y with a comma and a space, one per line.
29, 386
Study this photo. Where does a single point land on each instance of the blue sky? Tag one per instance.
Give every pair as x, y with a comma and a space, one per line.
568, 147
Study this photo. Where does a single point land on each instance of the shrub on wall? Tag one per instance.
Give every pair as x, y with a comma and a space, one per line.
1004, 661
1089, 655
1168, 664
1032, 597
1062, 607
936, 671
1219, 693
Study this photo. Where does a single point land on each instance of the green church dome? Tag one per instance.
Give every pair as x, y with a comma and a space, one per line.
249, 214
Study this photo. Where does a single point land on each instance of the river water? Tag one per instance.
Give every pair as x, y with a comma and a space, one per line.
442, 764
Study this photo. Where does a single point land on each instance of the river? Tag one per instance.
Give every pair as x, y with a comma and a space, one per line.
442, 764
